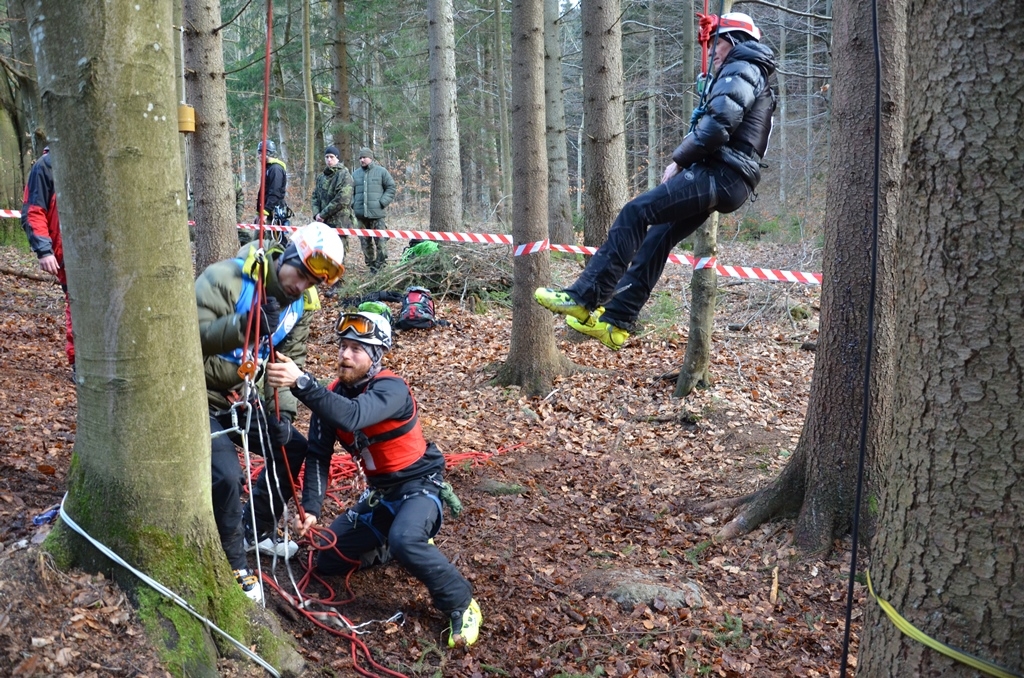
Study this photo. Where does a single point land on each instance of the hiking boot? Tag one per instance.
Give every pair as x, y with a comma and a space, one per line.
558, 301
250, 584
272, 546
465, 626
610, 335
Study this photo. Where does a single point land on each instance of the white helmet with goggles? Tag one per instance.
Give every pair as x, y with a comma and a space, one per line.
319, 248
738, 22
368, 328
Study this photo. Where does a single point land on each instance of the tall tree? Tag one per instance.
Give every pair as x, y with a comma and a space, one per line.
24, 74
533, 360
309, 164
947, 552
559, 207
505, 170
342, 115
210, 157
604, 127
819, 482
140, 474
445, 169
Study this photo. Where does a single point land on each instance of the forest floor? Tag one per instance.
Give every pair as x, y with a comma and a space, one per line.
578, 497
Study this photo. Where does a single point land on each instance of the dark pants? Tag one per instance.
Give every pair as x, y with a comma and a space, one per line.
375, 250
416, 518
626, 268
228, 479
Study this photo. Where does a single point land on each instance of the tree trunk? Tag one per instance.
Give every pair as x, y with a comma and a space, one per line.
783, 102
533, 360
604, 154
445, 170
559, 207
309, 162
505, 171
820, 480
947, 553
140, 475
653, 157
342, 115
694, 372
213, 188
28, 88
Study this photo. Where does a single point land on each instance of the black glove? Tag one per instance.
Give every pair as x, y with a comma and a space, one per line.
270, 316
279, 430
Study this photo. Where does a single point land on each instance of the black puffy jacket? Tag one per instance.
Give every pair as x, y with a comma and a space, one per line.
737, 118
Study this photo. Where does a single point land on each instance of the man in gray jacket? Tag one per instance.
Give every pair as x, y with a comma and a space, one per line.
374, 190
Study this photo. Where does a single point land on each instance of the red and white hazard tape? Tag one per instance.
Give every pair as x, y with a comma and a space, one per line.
542, 245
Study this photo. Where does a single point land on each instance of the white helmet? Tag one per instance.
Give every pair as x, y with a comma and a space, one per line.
321, 251
368, 328
738, 22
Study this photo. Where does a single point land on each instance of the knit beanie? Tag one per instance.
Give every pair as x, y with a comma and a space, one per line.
332, 150
365, 152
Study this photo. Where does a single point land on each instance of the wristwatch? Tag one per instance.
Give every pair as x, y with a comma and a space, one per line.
302, 381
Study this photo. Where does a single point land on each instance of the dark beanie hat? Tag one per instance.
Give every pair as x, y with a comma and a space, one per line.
332, 150
365, 152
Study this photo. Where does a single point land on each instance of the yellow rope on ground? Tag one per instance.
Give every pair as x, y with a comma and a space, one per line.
909, 630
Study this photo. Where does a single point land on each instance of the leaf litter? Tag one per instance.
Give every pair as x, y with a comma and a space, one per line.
595, 488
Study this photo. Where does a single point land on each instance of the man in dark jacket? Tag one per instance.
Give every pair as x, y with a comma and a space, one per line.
332, 197
715, 168
373, 414
41, 222
225, 294
374, 190
275, 183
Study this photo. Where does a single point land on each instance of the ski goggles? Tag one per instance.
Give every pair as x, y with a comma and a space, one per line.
360, 326
323, 268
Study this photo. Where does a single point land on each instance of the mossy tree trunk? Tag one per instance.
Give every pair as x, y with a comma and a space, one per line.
213, 185
533, 360
948, 551
819, 483
140, 474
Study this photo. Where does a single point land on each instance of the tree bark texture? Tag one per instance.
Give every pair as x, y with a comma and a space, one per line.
559, 207
445, 168
948, 550
342, 115
213, 188
140, 474
533, 360
505, 157
823, 490
694, 372
30, 120
310, 164
604, 124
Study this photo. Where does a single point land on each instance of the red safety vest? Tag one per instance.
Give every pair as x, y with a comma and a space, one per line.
387, 446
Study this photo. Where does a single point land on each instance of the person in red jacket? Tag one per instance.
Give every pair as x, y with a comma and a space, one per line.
372, 413
42, 225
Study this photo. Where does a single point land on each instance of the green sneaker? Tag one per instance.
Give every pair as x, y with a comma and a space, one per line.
560, 302
465, 626
611, 336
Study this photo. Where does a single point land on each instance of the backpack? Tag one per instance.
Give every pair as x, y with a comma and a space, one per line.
417, 310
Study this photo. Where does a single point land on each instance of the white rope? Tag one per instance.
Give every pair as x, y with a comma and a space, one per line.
163, 590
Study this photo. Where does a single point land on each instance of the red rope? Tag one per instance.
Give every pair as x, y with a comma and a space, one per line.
342, 472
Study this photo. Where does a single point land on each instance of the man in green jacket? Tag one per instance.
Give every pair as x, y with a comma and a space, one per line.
332, 197
374, 190
225, 294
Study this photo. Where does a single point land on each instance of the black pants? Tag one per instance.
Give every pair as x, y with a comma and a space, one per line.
228, 479
626, 268
404, 519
